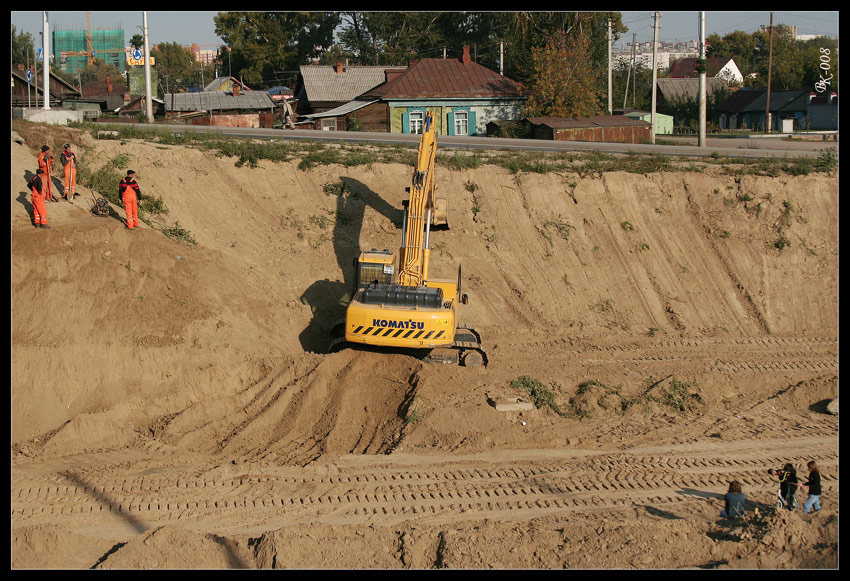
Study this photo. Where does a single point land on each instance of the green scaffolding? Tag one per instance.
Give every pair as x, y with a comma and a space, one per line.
108, 46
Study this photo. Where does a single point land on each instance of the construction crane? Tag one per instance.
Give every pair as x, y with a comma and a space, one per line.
90, 50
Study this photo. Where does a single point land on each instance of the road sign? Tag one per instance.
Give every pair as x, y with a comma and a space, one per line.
40, 54
132, 61
29, 75
137, 54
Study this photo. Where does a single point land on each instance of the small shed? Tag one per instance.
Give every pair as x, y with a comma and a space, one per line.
599, 128
249, 109
663, 123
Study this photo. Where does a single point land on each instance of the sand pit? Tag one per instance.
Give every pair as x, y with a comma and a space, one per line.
172, 405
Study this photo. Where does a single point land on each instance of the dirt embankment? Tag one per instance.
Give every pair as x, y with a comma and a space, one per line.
172, 404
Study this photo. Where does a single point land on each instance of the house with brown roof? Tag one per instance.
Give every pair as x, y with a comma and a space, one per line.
715, 67
25, 93
322, 88
462, 95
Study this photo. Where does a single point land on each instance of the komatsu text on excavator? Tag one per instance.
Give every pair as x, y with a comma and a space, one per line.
403, 307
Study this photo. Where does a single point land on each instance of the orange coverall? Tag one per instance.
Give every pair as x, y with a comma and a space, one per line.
39, 209
69, 166
128, 188
45, 160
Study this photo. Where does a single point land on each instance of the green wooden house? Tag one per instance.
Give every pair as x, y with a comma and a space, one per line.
463, 97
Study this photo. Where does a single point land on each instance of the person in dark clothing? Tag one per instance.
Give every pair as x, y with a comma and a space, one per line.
788, 484
38, 186
734, 501
813, 483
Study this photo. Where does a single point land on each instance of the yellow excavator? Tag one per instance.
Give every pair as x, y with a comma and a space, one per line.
403, 307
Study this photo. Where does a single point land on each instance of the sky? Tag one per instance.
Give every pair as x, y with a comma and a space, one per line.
187, 27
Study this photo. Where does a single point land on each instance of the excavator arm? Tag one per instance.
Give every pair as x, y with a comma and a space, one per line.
414, 253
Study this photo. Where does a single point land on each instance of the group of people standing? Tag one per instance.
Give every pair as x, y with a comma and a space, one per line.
735, 498
41, 187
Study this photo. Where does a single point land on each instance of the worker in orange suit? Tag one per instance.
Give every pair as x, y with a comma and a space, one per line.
69, 165
45, 161
130, 194
39, 208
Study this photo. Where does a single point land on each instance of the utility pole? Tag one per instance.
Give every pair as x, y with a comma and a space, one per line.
148, 98
45, 70
702, 79
769, 72
634, 66
628, 74
655, 27
610, 88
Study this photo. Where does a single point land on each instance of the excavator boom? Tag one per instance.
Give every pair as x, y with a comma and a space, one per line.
405, 307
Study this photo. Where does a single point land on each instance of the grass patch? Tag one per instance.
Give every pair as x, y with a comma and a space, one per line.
541, 395
178, 233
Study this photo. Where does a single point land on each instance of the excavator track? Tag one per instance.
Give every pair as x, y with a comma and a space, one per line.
466, 349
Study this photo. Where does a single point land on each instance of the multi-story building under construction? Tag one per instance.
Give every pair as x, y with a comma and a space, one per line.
73, 49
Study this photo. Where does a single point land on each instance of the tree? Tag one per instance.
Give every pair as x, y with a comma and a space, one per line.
820, 59
565, 83
22, 48
175, 63
391, 38
98, 71
524, 31
795, 64
263, 44
737, 45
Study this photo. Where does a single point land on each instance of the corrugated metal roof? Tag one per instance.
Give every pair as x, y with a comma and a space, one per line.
448, 79
344, 109
323, 83
594, 121
779, 100
739, 99
217, 101
688, 88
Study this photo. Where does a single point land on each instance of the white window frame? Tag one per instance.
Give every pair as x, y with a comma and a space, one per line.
416, 121
461, 122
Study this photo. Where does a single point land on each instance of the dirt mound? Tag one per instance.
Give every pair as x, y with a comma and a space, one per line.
303, 411
172, 397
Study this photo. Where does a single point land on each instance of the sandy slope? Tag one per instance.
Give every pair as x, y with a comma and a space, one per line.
172, 405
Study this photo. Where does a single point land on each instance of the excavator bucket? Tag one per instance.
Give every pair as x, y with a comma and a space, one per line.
441, 213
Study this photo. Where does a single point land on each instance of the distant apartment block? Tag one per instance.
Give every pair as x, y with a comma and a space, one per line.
206, 56
667, 53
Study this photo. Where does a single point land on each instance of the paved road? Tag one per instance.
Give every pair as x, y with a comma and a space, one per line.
751, 147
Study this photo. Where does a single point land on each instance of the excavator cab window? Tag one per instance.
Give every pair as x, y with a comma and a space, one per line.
369, 272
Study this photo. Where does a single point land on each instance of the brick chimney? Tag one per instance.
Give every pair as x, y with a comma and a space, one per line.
466, 58
339, 68
235, 90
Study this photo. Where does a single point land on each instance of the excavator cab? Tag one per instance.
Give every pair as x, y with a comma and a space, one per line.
374, 266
